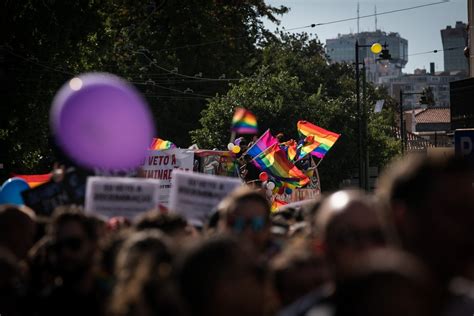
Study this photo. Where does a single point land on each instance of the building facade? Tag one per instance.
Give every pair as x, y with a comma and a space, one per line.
342, 50
417, 82
454, 40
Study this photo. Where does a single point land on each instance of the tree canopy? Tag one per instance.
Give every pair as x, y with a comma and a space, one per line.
295, 82
194, 61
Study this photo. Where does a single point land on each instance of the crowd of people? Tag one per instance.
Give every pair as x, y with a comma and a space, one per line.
405, 249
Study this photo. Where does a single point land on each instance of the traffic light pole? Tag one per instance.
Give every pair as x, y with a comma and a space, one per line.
359, 118
362, 134
402, 126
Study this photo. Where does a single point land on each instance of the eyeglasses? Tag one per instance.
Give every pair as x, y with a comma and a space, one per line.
355, 237
239, 224
72, 243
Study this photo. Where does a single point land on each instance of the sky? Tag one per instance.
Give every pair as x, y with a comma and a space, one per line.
421, 27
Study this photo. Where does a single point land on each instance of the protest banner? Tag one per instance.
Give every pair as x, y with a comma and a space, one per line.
298, 194
112, 196
43, 199
159, 164
195, 195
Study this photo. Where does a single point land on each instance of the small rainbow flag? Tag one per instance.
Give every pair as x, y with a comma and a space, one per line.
160, 144
244, 122
291, 149
276, 204
307, 146
275, 162
261, 144
35, 180
325, 138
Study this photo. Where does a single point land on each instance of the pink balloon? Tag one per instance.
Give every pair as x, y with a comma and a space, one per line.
101, 121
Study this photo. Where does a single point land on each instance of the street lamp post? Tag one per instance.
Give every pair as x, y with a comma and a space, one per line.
375, 48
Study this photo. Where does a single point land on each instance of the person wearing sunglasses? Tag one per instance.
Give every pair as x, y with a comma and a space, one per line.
246, 213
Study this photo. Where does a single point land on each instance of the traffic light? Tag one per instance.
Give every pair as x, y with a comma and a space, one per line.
427, 97
385, 55
423, 99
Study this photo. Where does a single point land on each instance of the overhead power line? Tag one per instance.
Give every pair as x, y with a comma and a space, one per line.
367, 16
437, 50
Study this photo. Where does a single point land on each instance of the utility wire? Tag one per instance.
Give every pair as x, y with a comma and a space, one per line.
437, 50
367, 16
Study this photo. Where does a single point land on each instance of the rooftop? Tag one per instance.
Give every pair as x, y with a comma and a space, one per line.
433, 115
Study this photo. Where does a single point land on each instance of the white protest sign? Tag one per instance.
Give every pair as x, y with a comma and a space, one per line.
195, 195
112, 196
159, 164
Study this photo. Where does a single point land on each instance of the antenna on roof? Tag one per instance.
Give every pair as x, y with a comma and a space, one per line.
358, 18
375, 14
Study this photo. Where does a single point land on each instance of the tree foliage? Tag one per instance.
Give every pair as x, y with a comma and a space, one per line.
144, 41
295, 82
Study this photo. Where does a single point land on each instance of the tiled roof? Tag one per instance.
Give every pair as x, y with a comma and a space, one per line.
434, 115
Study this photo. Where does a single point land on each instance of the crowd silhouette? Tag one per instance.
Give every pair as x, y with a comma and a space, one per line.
405, 249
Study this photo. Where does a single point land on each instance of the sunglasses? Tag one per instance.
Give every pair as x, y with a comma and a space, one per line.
71, 243
239, 224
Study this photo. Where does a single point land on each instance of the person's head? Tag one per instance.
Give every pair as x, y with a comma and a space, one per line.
297, 271
75, 238
347, 225
17, 229
220, 276
144, 276
431, 203
246, 213
386, 282
11, 284
172, 224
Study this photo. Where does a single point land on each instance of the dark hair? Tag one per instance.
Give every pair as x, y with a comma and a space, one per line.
242, 195
144, 276
386, 282
73, 213
412, 180
201, 268
168, 223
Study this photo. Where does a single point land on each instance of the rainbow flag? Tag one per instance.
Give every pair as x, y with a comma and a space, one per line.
244, 122
276, 204
275, 162
307, 146
325, 138
35, 180
261, 144
291, 148
160, 144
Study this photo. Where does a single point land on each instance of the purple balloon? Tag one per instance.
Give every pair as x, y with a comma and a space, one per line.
101, 121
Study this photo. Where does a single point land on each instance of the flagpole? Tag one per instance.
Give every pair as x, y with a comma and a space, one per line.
232, 137
317, 165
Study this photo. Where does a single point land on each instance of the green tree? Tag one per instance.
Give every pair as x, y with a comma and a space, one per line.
295, 82
141, 40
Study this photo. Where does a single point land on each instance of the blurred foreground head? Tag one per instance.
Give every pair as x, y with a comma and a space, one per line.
386, 282
222, 277
431, 203
347, 225
246, 213
17, 229
74, 236
144, 277
297, 271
